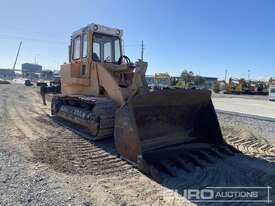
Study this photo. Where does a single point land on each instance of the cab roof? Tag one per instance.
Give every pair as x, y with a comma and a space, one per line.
100, 29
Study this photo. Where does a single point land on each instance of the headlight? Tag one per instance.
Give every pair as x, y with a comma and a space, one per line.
95, 27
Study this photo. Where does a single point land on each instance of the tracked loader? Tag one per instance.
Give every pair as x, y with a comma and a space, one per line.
106, 94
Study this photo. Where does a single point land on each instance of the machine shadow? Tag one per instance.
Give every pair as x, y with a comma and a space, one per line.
237, 170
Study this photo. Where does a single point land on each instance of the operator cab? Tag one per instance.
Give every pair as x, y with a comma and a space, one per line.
96, 43
94, 49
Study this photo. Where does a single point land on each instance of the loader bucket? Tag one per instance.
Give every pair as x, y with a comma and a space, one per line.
164, 124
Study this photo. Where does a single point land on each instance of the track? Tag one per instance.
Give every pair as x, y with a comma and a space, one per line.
250, 144
65, 151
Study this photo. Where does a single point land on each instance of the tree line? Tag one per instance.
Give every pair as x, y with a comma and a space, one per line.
189, 79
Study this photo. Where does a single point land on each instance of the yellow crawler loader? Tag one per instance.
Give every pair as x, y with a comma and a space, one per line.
106, 94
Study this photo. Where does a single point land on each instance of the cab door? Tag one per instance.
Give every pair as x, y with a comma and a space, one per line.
79, 57
85, 60
76, 56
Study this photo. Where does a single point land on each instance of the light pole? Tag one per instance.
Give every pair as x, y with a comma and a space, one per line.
225, 75
142, 50
35, 58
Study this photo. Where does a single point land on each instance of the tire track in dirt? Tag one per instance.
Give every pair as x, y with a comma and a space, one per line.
243, 175
29, 119
250, 144
74, 156
66, 152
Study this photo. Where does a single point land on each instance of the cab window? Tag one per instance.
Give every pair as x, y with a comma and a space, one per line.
107, 52
85, 45
76, 53
106, 48
96, 52
117, 50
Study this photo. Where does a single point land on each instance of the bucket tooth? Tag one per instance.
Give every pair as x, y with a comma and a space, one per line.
194, 160
183, 165
224, 151
143, 165
203, 155
154, 173
215, 153
229, 149
167, 168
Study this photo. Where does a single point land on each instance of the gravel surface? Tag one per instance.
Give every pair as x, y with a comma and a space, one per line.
44, 163
261, 127
24, 182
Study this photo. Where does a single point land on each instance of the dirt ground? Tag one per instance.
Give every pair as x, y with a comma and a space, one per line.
44, 163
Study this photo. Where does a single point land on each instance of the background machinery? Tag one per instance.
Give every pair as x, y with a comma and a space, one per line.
242, 86
234, 86
106, 94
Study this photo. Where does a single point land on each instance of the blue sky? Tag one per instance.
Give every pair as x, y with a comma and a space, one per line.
205, 36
